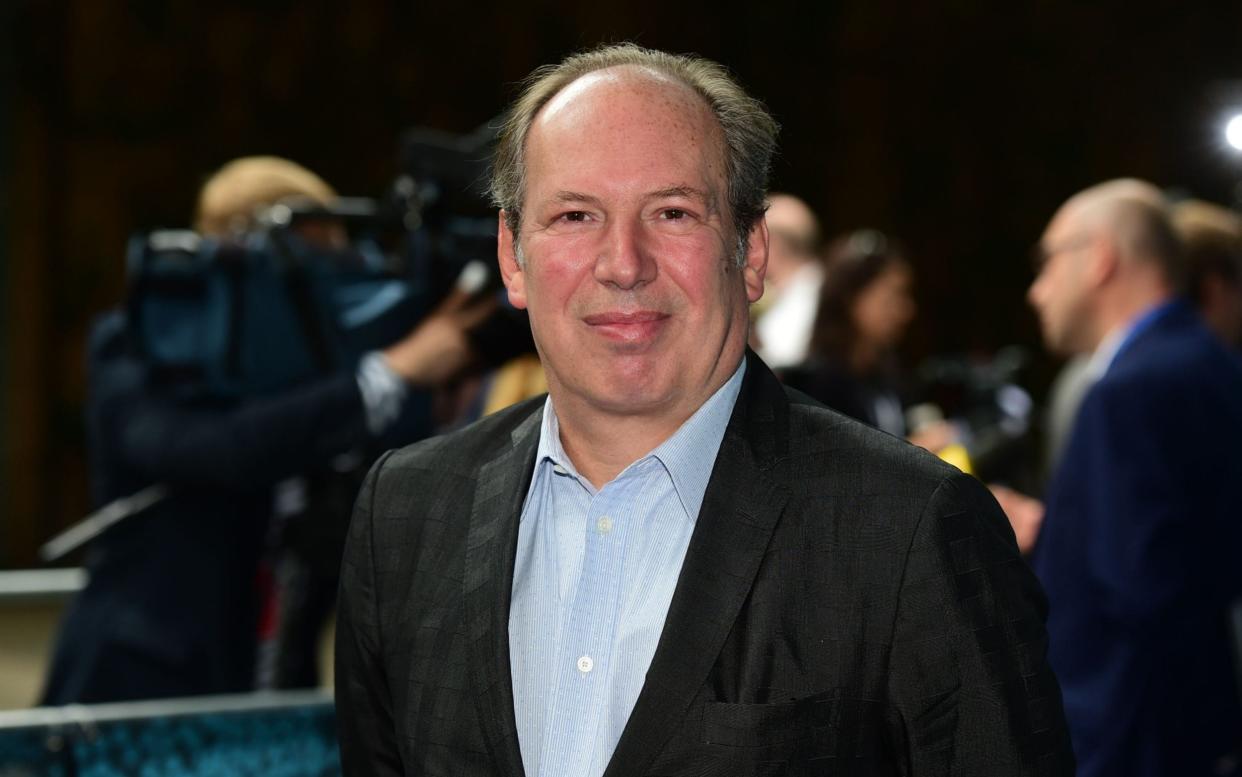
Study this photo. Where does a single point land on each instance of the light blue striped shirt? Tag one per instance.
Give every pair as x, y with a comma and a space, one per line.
593, 580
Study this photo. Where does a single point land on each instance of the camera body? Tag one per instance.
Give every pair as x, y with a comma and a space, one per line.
262, 314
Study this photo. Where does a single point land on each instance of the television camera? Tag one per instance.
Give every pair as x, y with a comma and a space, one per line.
989, 409
268, 310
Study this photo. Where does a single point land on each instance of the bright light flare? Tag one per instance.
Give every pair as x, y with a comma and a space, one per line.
1233, 132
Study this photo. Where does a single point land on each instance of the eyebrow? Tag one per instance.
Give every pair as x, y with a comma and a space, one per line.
680, 191
708, 198
567, 196
687, 191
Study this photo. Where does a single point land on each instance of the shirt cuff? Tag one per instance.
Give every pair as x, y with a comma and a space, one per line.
383, 391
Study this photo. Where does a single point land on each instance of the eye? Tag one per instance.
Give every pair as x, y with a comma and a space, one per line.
574, 216
673, 214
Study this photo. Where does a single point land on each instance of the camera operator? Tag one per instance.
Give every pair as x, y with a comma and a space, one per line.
171, 607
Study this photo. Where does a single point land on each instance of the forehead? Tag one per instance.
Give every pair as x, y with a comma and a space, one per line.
620, 108
1069, 223
595, 90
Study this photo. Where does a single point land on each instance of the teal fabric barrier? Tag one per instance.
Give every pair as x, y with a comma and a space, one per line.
274, 735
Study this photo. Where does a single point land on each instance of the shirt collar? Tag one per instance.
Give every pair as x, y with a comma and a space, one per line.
688, 455
1105, 352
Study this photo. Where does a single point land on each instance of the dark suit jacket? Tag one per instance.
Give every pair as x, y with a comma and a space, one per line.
1139, 554
848, 605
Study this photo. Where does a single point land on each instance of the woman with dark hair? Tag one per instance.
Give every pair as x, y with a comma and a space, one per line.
865, 306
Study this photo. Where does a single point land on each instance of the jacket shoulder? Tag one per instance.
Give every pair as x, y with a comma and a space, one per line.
462, 451
1178, 347
826, 444
1178, 371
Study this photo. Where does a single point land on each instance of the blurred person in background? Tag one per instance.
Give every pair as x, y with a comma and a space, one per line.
865, 305
1064, 397
1212, 237
232, 201
171, 607
785, 315
1139, 541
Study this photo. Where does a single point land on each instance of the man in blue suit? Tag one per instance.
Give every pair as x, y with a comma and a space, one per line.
1140, 543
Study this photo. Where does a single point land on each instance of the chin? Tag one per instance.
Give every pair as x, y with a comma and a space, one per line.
634, 400
637, 400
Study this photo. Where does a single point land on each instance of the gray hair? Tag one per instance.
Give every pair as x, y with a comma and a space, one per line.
749, 130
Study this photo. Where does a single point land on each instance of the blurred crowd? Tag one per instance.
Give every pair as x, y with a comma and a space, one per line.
1121, 492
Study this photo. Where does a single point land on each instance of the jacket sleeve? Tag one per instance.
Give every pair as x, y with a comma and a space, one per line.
250, 445
970, 689
365, 725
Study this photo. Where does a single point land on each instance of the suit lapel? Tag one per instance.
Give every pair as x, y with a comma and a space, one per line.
490, 551
743, 501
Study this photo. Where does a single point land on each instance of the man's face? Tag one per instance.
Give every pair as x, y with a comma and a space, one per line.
885, 307
1060, 293
628, 252
791, 225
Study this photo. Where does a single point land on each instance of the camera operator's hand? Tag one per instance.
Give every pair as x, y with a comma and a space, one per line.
934, 436
438, 348
1025, 513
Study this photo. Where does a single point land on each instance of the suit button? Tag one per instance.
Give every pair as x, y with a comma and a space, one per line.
586, 664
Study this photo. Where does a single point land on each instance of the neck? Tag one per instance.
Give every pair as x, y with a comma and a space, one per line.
599, 453
1120, 309
602, 442
864, 357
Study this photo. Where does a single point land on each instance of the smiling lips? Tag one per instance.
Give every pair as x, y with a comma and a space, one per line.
635, 327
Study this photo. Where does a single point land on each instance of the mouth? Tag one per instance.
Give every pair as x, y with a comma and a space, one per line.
627, 327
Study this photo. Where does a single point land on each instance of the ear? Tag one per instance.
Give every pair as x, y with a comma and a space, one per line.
1103, 261
510, 271
756, 266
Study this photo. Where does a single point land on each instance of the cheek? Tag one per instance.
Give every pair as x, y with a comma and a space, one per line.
716, 291
891, 315
547, 296
700, 268
905, 308
869, 312
554, 270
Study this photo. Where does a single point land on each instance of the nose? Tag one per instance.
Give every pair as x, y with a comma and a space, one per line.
624, 260
1035, 292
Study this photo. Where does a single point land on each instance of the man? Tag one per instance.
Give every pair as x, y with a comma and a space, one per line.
1211, 239
1212, 236
170, 608
670, 566
1139, 542
795, 272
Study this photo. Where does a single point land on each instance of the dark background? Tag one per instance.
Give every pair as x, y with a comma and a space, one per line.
957, 125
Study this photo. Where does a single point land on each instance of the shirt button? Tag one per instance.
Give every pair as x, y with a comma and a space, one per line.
558, 469
586, 664
604, 525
